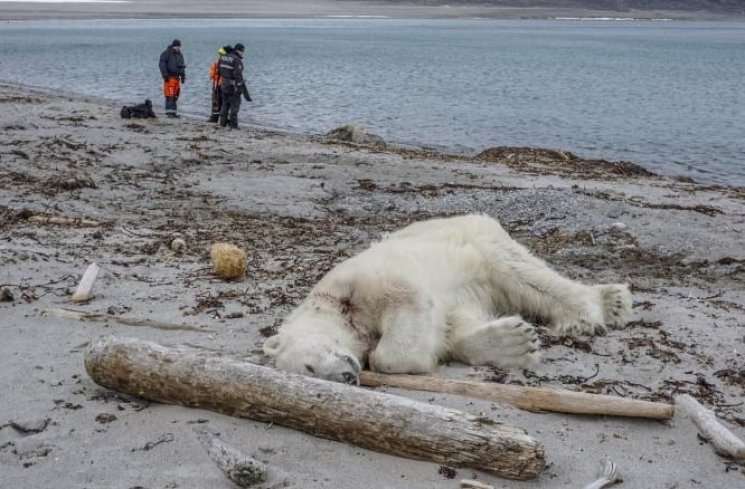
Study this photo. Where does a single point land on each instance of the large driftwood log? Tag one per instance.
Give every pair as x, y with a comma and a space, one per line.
527, 398
194, 377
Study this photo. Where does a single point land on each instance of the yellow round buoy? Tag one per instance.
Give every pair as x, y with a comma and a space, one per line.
228, 260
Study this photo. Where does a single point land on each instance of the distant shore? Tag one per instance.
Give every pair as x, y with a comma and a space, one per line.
295, 9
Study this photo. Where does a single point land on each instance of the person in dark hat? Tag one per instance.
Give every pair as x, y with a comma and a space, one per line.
216, 84
173, 71
233, 86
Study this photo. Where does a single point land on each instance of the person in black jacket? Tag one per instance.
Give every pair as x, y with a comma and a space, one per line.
173, 71
232, 85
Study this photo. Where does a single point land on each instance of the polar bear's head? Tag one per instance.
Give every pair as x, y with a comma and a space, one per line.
314, 355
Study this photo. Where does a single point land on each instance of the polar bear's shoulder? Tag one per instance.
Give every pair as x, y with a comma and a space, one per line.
461, 228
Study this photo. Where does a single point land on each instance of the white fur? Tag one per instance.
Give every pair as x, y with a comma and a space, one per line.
457, 288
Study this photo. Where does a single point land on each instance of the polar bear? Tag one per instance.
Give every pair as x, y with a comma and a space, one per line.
454, 288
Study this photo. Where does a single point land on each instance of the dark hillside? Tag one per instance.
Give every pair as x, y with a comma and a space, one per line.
713, 6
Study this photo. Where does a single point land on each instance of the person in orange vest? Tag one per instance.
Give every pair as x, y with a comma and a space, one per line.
217, 100
173, 71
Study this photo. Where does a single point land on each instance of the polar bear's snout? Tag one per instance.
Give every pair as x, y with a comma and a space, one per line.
317, 356
336, 367
350, 370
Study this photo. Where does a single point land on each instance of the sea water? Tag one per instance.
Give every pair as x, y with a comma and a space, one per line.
667, 95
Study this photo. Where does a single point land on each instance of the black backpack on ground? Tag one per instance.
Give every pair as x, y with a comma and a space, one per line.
139, 111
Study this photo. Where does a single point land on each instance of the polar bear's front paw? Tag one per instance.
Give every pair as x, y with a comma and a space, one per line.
617, 304
581, 326
509, 343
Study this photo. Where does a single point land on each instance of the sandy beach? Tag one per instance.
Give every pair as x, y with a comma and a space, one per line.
289, 9
298, 205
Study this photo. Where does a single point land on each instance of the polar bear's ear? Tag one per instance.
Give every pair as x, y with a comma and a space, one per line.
271, 345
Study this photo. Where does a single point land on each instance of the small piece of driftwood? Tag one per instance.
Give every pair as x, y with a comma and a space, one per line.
609, 476
65, 221
474, 484
85, 287
725, 442
241, 469
195, 377
74, 314
535, 399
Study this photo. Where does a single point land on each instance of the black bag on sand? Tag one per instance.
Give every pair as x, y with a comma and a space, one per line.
139, 111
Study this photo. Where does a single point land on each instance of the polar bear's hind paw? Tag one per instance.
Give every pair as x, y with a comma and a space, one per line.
509, 343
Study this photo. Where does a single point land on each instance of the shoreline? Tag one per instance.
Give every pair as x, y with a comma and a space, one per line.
298, 207
558, 154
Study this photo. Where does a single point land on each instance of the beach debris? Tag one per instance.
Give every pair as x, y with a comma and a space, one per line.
609, 476
167, 438
65, 221
535, 399
243, 470
447, 471
5, 295
31, 426
73, 183
78, 315
371, 420
725, 442
355, 134
105, 418
228, 261
177, 243
474, 484
85, 287
560, 162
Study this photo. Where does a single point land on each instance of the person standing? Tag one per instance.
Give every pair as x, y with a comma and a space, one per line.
233, 86
216, 88
173, 70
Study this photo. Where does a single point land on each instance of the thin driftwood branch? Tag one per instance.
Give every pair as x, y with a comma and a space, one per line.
725, 443
65, 221
528, 398
77, 315
195, 377
609, 476
85, 287
474, 484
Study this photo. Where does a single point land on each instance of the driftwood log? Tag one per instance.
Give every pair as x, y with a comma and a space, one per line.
194, 377
725, 442
78, 315
474, 484
241, 469
528, 398
609, 476
66, 221
85, 287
